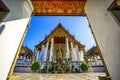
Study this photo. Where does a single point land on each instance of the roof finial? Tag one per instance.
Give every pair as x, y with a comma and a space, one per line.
59, 20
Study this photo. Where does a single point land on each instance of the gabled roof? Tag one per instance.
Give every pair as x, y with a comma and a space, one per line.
60, 26
92, 51
26, 50
67, 34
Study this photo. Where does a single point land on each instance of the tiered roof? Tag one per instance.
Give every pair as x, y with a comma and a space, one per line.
92, 51
26, 50
59, 34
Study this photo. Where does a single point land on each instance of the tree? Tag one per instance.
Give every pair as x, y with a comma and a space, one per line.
84, 66
35, 66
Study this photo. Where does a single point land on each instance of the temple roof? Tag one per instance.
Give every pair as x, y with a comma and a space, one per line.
26, 50
59, 28
92, 51
59, 7
59, 34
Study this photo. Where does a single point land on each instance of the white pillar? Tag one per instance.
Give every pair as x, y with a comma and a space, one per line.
97, 62
51, 49
67, 47
42, 56
24, 57
77, 53
39, 55
35, 53
73, 58
42, 53
81, 55
46, 50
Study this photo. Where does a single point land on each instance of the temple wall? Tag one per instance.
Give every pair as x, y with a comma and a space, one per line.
107, 33
13, 26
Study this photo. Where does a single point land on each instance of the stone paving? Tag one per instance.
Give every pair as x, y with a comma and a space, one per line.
78, 76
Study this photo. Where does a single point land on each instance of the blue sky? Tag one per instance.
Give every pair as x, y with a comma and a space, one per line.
42, 25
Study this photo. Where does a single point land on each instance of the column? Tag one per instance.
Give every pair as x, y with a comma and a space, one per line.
81, 55
77, 53
24, 57
39, 55
46, 50
72, 51
67, 47
51, 49
35, 51
42, 53
97, 62
75, 56
42, 56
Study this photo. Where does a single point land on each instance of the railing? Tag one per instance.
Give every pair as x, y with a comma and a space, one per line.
23, 63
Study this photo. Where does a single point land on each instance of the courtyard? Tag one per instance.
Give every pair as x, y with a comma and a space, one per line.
76, 76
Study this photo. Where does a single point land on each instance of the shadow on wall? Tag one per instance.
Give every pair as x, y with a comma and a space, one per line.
2, 27
22, 10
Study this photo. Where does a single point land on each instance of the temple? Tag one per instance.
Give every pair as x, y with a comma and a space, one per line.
58, 46
104, 21
24, 61
92, 56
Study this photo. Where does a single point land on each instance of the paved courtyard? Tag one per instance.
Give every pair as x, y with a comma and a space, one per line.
79, 76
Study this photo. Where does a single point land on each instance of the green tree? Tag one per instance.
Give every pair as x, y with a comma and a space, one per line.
35, 66
84, 66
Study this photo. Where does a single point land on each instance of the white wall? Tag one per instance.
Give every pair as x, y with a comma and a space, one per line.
19, 9
107, 33
14, 26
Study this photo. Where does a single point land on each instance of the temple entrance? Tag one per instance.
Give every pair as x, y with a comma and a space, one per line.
56, 44
55, 52
78, 11
59, 54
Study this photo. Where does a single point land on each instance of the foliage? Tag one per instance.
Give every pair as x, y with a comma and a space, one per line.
84, 66
40, 66
52, 58
70, 59
67, 63
36, 66
51, 65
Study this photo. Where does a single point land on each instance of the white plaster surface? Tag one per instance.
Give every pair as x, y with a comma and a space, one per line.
14, 26
107, 33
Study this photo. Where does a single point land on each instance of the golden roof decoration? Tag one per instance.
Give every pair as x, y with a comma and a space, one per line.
26, 50
59, 7
59, 34
92, 51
